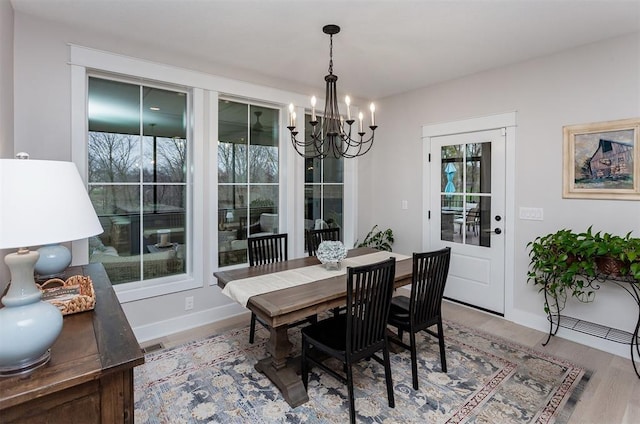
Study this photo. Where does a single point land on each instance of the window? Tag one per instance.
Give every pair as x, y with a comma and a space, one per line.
248, 177
323, 191
465, 182
137, 161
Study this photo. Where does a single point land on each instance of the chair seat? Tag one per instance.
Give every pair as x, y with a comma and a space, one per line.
399, 309
330, 332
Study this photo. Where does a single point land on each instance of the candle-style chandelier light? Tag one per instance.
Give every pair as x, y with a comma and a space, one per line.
330, 136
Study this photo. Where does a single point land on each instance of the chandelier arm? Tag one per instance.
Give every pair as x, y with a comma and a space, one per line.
297, 144
359, 145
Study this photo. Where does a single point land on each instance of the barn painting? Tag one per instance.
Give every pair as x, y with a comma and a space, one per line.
604, 160
613, 161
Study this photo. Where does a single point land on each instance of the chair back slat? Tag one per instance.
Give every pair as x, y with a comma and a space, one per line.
267, 249
315, 237
430, 270
369, 292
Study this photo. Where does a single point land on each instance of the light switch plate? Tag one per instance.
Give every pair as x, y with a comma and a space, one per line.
532, 214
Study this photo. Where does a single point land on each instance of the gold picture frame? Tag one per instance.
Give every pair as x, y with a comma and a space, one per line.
602, 160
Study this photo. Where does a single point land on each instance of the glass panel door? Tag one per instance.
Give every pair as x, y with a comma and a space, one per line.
468, 186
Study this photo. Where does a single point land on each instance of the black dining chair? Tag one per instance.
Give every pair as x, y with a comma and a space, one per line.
267, 249
358, 334
264, 250
422, 309
315, 237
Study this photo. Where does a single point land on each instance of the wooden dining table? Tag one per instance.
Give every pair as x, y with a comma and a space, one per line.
282, 307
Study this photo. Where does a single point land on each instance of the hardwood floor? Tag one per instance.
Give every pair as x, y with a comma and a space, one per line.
612, 395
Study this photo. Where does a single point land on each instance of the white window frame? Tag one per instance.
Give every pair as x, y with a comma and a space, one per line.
282, 180
151, 285
192, 278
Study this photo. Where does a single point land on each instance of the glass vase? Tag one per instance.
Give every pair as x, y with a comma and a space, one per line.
332, 266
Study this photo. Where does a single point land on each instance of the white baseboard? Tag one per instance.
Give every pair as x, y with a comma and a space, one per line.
186, 322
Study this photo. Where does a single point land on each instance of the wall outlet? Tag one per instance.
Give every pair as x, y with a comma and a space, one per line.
188, 303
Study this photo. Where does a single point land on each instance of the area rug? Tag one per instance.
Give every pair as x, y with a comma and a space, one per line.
489, 380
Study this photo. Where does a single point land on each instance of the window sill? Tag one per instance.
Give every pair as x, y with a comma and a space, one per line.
139, 290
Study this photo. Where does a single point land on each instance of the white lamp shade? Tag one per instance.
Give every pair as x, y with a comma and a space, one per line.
43, 202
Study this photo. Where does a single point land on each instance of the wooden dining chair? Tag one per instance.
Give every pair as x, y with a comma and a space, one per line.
358, 334
265, 250
315, 237
422, 309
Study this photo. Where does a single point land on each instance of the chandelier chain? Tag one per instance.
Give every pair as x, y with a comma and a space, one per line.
331, 54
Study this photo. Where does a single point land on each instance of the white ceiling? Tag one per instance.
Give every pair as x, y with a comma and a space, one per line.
384, 48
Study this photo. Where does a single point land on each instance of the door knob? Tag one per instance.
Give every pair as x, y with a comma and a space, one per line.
497, 231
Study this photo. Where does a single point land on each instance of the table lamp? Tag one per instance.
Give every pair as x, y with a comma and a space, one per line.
41, 202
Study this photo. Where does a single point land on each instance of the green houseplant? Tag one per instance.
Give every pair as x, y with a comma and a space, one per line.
616, 255
381, 240
555, 261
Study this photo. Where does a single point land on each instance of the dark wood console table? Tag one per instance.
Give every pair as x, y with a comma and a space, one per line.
89, 378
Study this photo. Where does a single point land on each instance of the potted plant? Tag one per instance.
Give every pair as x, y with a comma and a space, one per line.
616, 255
555, 261
381, 240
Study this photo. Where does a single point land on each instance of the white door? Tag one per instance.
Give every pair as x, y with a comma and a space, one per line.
467, 206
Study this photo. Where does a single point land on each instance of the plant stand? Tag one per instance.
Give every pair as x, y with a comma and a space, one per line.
556, 320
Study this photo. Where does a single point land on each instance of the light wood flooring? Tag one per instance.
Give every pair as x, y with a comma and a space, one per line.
612, 395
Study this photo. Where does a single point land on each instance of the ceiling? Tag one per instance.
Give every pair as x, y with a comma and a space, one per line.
384, 48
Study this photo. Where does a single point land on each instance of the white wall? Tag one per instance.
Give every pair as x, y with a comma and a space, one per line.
6, 103
6, 80
597, 82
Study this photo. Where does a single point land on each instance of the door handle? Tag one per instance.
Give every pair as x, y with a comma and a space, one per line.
497, 231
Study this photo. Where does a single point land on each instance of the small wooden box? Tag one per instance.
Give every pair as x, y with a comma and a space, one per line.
76, 294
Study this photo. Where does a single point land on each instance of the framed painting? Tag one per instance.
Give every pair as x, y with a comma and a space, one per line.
602, 160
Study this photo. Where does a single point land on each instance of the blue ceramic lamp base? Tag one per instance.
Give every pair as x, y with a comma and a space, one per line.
54, 259
28, 326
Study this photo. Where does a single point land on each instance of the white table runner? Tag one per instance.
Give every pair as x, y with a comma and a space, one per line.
241, 290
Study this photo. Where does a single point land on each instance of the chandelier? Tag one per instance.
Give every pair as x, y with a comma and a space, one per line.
332, 135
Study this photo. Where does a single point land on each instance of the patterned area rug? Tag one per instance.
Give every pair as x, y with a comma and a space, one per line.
490, 380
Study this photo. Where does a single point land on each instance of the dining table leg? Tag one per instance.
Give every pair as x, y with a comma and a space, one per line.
282, 369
